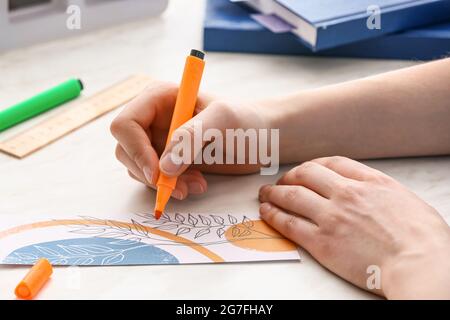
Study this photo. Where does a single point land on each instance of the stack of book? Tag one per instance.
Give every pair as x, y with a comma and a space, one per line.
385, 29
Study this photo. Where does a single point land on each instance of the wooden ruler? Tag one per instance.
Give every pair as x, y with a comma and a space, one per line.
74, 117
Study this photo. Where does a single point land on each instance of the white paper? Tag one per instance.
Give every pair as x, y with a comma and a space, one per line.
140, 239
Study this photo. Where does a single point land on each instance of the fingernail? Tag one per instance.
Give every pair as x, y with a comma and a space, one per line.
168, 166
263, 190
264, 208
196, 188
148, 173
177, 194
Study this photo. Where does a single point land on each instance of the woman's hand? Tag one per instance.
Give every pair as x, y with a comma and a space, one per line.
350, 217
141, 131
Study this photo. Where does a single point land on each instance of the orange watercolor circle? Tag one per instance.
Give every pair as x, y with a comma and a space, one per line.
257, 235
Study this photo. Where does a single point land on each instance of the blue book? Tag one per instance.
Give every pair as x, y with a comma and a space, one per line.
324, 24
229, 28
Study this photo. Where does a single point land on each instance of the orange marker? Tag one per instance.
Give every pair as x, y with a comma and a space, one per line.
183, 112
34, 280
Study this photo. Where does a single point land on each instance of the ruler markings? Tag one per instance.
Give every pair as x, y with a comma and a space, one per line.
74, 117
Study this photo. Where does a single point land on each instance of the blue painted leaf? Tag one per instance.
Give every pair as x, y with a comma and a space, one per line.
125, 242
93, 248
83, 262
74, 250
114, 259
61, 262
47, 252
26, 256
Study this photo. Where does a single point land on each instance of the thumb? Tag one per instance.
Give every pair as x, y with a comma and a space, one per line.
187, 141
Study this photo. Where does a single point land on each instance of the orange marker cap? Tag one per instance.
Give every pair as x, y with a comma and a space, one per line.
183, 112
35, 279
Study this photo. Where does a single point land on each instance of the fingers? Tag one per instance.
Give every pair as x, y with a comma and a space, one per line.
190, 182
315, 177
183, 149
130, 127
349, 168
292, 227
296, 199
147, 178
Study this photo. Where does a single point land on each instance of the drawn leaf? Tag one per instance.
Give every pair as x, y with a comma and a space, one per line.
232, 219
148, 216
235, 232
136, 239
217, 219
118, 225
245, 233
89, 230
167, 227
47, 251
202, 232
123, 242
113, 235
220, 232
192, 220
140, 228
247, 222
94, 248
205, 220
165, 217
73, 250
179, 217
114, 259
183, 230
154, 222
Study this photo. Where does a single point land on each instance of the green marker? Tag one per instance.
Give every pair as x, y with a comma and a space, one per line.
40, 103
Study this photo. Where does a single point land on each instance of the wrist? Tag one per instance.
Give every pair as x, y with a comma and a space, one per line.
303, 123
418, 275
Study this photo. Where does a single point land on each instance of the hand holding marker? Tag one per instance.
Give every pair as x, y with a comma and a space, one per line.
183, 112
40, 103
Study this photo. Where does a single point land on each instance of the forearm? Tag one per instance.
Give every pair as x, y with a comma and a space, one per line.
401, 113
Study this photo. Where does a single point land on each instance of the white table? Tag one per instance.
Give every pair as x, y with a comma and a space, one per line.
79, 174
